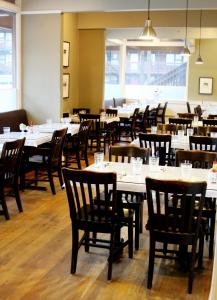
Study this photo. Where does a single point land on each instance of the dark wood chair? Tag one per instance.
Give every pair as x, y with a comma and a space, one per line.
127, 126
111, 112
45, 160
186, 115
142, 120
209, 122
205, 143
10, 163
160, 115
131, 200
76, 146
212, 117
186, 123
198, 112
159, 145
167, 128
171, 220
65, 115
188, 107
152, 116
203, 160
90, 213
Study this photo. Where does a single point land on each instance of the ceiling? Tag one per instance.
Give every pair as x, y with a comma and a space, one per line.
114, 5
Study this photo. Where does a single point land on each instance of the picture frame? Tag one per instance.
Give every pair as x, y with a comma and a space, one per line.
205, 85
66, 49
66, 82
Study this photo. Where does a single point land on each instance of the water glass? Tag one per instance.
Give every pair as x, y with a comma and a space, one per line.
153, 162
98, 158
190, 131
213, 134
195, 119
49, 121
137, 165
154, 129
6, 130
186, 170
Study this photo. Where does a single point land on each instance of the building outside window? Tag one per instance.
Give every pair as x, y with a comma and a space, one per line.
152, 73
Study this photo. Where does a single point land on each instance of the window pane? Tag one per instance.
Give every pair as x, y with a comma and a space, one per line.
7, 49
112, 72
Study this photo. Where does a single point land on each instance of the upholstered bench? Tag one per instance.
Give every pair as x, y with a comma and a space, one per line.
13, 119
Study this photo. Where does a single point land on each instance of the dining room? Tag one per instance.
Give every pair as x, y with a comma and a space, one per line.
104, 105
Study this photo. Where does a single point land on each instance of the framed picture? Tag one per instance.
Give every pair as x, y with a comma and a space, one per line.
66, 79
66, 48
205, 85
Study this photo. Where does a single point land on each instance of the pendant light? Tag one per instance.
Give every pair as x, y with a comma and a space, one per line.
186, 50
148, 32
199, 60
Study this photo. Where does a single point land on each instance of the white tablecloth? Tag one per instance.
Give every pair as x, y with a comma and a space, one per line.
50, 128
32, 139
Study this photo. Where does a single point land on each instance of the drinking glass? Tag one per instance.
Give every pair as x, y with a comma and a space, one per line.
190, 131
186, 170
98, 158
6, 130
137, 165
153, 162
153, 129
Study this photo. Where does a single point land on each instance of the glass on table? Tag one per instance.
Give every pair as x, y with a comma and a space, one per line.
6, 130
190, 131
154, 129
98, 158
153, 162
136, 165
186, 170
213, 134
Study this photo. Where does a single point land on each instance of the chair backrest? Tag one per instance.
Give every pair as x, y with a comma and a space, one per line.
212, 117
111, 112
159, 144
186, 115
209, 122
119, 101
95, 125
83, 134
188, 107
160, 115
66, 115
171, 207
186, 123
56, 148
202, 130
198, 111
11, 160
125, 153
84, 190
167, 128
205, 143
198, 158
81, 110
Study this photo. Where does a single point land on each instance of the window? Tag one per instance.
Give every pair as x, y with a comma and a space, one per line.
148, 72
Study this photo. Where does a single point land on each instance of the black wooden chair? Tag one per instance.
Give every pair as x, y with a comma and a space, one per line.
209, 122
127, 126
203, 160
168, 128
45, 161
131, 200
198, 112
75, 146
159, 145
205, 143
10, 162
186, 123
186, 115
142, 120
91, 214
175, 225
212, 117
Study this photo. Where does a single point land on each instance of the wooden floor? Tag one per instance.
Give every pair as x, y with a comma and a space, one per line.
35, 248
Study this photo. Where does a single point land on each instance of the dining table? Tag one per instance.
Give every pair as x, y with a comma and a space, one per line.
131, 180
51, 127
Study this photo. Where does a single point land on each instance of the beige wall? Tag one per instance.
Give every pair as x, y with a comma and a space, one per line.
208, 69
41, 71
70, 34
91, 68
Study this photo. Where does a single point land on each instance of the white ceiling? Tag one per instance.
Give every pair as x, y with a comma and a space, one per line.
114, 5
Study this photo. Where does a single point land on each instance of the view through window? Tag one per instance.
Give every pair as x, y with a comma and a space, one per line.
142, 72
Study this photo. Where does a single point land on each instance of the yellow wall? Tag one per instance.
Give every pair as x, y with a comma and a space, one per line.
70, 34
208, 69
91, 68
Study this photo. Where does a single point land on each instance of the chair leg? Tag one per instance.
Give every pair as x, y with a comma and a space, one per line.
86, 247
137, 227
151, 262
74, 250
141, 218
111, 252
50, 176
60, 176
211, 238
78, 159
4, 207
191, 270
17, 197
130, 238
